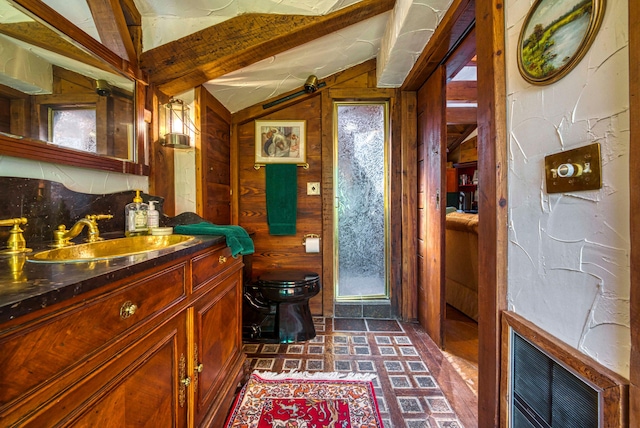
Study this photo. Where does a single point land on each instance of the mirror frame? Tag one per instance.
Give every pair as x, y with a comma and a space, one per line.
40, 151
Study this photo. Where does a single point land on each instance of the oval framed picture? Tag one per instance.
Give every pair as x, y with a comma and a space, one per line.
555, 36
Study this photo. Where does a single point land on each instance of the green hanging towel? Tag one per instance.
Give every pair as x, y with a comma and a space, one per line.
282, 198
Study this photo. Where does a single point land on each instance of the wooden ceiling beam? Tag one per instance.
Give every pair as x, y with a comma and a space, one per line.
462, 115
462, 55
51, 18
464, 91
41, 36
134, 23
112, 28
241, 41
456, 134
131, 13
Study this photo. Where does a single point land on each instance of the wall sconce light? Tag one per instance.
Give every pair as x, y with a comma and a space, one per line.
311, 85
103, 88
176, 124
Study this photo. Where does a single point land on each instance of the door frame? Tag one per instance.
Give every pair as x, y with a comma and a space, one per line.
489, 19
493, 204
386, 103
432, 147
349, 86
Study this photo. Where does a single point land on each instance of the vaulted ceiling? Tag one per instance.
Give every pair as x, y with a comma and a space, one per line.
247, 51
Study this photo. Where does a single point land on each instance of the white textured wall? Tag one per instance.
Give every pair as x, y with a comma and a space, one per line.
77, 179
184, 162
411, 24
185, 180
569, 253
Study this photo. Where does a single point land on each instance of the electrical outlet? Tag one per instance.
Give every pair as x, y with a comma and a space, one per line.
313, 188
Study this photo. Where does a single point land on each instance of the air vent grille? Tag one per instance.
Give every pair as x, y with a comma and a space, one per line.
545, 394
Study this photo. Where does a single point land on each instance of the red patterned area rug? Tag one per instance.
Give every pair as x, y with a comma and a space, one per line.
305, 400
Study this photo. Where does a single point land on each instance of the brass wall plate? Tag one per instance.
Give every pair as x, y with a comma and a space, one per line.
574, 170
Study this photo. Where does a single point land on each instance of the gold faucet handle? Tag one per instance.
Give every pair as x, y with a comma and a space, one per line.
96, 217
14, 222
94, 235
16, 242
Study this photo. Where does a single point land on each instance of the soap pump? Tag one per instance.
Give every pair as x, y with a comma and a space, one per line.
135, 214
153, 216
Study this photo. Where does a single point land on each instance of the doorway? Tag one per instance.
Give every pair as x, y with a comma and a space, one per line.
361, 194
487, 17
448, 178
460, 317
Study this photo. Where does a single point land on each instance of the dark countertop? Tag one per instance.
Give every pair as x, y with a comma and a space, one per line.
26, 286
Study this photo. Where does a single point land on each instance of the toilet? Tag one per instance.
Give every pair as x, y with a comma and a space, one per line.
276, 307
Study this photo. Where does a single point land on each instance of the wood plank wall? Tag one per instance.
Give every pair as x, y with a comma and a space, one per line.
282, 252
213, 159
288, 252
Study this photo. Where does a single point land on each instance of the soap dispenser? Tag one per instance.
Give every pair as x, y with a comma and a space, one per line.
153, 217
135, 215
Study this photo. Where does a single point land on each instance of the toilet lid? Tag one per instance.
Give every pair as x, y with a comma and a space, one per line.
288, 278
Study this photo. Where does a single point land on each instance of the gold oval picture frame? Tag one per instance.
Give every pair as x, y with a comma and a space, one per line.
555, 36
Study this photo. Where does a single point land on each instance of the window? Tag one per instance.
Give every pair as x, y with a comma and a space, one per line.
74, 128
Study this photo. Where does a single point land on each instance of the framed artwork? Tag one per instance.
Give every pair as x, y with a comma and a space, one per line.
555, 36
280, 141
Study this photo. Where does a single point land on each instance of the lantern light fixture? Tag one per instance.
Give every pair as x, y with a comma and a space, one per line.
177, 124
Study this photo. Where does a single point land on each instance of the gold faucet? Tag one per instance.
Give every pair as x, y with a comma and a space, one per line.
62, 237
16, 243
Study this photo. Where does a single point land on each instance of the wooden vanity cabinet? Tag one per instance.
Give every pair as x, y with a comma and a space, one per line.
175, 360
217, 350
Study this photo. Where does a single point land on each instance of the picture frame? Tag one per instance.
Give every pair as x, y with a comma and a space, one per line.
555, 36
280, 141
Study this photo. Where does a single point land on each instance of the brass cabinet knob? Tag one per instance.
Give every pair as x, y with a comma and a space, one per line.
200, 367
186, 381
222, 260
127, 309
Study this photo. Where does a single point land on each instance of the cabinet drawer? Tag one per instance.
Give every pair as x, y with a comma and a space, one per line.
36, 353
210, 264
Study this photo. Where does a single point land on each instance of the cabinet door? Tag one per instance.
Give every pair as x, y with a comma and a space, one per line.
139, 388
217, 349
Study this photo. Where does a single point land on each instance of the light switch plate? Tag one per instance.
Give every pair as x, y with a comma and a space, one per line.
573, 170
313, 188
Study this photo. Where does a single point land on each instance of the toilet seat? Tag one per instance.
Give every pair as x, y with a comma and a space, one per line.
288, 278
288, 285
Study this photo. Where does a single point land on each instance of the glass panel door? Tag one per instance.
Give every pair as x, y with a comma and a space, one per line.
361, 194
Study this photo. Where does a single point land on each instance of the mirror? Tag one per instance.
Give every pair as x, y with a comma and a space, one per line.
54, 92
